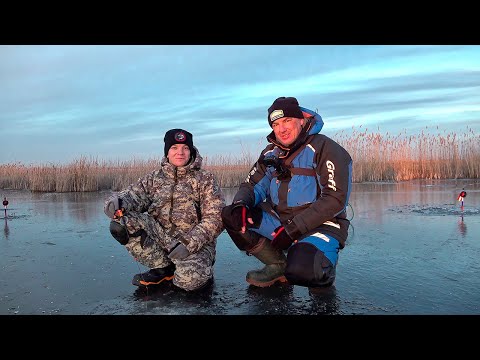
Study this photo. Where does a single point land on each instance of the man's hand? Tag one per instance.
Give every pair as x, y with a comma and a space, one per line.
179, 252
112, 205
240, 216
281, 240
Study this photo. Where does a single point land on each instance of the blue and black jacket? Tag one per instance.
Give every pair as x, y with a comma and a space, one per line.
309, 192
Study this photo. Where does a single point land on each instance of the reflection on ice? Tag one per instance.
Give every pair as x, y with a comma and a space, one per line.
462, 226
6, 229
408, 252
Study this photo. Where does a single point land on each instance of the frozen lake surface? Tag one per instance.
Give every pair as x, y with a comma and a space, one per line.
411, 250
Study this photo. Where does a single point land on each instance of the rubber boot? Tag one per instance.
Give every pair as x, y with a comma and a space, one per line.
275, 264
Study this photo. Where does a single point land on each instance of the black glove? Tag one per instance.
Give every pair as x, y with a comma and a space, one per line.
179, 252
112, 204
240, 216
281, 240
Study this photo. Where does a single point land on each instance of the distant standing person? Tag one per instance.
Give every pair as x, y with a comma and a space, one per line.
293, 200
170, 219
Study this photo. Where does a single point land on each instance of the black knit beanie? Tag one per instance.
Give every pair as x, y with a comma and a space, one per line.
178, 136
284, 107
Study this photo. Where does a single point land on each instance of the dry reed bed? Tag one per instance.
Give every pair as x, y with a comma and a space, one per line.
404, 157
376, 157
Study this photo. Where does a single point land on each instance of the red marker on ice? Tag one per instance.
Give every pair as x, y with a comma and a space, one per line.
461, 196
5, 204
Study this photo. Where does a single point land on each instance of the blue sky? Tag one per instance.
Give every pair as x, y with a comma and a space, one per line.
110, 102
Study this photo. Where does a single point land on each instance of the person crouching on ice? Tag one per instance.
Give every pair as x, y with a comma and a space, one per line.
293, 200
170, 219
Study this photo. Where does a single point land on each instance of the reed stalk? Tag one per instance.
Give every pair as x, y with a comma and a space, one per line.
376, 156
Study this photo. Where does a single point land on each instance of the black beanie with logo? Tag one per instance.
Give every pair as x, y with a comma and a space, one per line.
179, 136
284, 107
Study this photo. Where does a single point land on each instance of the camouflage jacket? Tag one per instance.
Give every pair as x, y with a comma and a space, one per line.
185, 197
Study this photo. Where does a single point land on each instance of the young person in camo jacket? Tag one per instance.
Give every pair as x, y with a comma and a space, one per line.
169, 220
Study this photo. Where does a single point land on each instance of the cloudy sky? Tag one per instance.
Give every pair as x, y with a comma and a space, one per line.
58, 103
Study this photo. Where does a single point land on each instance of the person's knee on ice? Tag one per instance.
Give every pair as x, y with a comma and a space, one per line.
195, 273
308, 266
194, 286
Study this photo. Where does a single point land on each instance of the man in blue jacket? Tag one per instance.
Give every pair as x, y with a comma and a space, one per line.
293, 201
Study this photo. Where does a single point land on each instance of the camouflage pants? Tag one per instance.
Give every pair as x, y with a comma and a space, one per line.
191, 273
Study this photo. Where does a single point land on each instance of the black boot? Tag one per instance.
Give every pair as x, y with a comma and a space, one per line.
154, 276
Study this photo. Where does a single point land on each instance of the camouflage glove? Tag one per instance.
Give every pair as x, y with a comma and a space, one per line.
179, 252
112, 204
